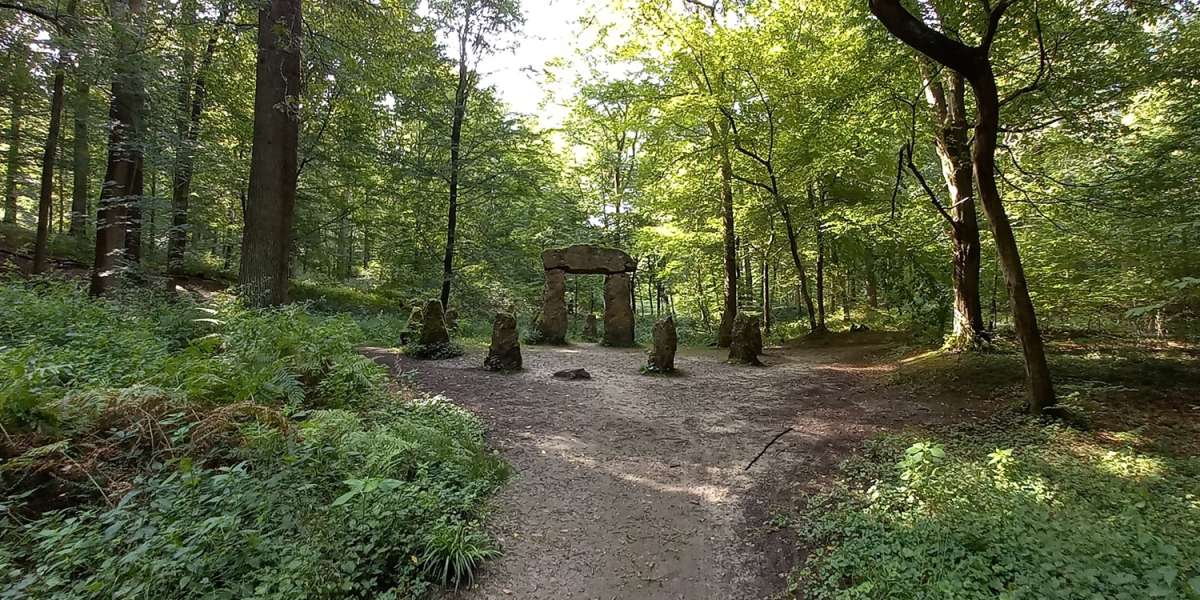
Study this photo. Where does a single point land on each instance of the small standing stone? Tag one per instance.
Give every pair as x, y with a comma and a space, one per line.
433, 325
412, 327
590, 332
451, 319
747, 340
505, 352
662, 353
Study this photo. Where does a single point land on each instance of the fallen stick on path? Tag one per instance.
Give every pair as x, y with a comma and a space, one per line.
765, 448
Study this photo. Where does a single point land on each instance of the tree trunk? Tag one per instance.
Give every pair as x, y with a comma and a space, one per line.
821, 326
950, 135
12, 174
872, 282
975, 65
766, 295
460, 114
46, 191
270, 205
192, 92
725, 329
80, 165
123, 172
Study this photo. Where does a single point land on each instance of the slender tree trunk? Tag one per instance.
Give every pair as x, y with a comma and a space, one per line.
80, 162
45, 193
192, 92
872, 282
1037, 370
12, 175
123, 172
460, 114
766, 295
720, 135
270, 205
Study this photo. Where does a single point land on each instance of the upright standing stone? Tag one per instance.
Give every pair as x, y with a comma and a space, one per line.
413, 327
505, 352
554, 308
618, 310
666, 340
433, 325
591, 332
451, 319
747, 340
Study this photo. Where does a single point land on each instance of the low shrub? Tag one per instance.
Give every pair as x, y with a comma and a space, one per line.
161, 448
1017, 509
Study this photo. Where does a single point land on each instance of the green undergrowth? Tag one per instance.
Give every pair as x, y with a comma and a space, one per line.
1011, 508
159, 448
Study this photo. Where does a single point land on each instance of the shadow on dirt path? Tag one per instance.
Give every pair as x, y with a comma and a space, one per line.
632, 486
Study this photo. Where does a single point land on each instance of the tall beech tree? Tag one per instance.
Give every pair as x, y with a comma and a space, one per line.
945, 93
271, 202
123, 173
974, 64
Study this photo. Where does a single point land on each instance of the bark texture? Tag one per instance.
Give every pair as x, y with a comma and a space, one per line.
122, 175
270, 205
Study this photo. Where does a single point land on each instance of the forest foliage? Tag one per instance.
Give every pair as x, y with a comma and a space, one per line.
797, 159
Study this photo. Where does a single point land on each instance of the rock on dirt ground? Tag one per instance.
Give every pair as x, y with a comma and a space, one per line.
630, 487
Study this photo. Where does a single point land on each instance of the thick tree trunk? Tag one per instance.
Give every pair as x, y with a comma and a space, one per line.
123, 172
950, 133
80, 161
974, 64
270, 206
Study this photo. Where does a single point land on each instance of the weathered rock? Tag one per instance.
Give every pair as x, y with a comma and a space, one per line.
573, 374
618, 312
586, 259
554, 308
662, 353
412, 328
747, 340
451, 319
504, 354
433, 325
591, 332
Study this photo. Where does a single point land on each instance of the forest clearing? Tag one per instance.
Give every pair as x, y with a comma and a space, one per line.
599, 299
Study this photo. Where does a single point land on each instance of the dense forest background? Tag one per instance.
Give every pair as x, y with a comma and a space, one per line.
808, 103
970, 230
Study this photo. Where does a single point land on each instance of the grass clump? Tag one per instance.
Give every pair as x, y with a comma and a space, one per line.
160, 448
1012, 509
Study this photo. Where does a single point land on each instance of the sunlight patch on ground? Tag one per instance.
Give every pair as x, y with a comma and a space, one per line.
569, 449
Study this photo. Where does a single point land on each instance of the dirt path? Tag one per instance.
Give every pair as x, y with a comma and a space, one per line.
631, 486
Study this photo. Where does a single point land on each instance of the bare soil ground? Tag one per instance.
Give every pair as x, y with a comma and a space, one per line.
634, 486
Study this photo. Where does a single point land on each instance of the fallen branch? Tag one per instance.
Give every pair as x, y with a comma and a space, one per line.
767, 447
